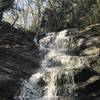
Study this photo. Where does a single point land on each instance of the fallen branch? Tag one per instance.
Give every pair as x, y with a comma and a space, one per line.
15, 20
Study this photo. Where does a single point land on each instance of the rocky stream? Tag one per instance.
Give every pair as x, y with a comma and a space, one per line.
62, 66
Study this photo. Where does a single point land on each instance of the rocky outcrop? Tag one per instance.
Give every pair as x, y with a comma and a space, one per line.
19, 58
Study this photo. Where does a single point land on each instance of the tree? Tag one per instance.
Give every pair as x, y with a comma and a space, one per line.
70, 13
29, 12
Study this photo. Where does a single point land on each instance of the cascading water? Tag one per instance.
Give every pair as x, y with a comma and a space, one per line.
55, 78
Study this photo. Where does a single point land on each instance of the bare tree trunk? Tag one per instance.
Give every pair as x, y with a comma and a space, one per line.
38, 5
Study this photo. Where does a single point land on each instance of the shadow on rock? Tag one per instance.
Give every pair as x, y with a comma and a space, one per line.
19, 58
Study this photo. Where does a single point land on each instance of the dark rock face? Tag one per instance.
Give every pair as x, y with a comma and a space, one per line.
19, 58
83, 80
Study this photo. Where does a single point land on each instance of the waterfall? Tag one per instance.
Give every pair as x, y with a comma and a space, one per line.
55, 78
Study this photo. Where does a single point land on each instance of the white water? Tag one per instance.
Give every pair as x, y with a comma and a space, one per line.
55, 61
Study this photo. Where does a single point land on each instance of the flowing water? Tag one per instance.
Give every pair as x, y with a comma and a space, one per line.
55, 79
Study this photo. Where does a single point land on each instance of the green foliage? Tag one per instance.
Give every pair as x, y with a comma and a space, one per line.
61, 14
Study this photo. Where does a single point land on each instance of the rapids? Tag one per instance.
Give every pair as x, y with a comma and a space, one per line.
55, 79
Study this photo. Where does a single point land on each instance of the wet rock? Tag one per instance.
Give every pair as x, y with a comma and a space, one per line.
90, 88
95, 64
77, 53
74, 42
68, 81
82, 75
42, 82
64, 40
19, 58
69, 67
